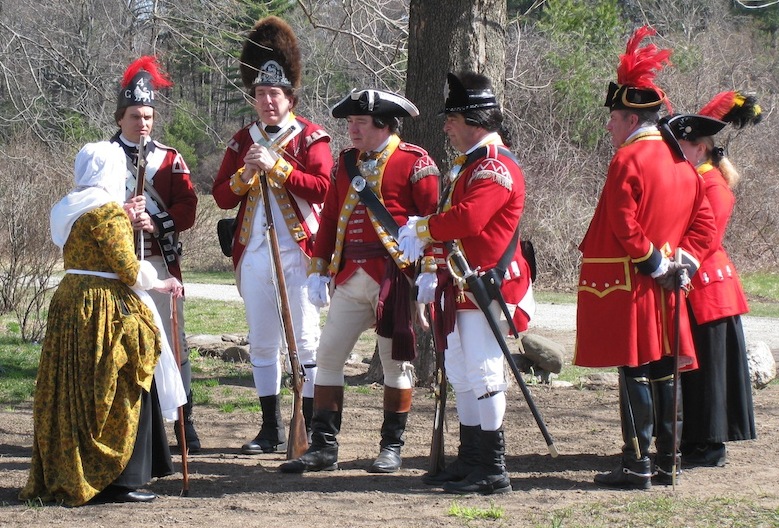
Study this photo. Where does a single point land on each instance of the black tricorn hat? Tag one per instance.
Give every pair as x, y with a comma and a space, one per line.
691, 127
374, 103
460, 99
271, 55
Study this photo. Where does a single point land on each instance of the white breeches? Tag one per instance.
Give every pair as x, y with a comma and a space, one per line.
261, 302
352, 311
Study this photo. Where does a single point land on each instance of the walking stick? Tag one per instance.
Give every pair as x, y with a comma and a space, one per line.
630, 423
297, 442
677, 346
181, 435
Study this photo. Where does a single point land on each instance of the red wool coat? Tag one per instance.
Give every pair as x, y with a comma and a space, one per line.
651, 201
308, 153
717, 291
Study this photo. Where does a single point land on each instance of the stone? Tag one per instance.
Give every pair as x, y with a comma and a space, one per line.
544, 353
762, 365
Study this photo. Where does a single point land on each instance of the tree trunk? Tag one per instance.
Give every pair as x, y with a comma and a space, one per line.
450, 36
447, 36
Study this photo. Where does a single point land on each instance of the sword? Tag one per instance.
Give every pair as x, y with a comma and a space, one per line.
461, 271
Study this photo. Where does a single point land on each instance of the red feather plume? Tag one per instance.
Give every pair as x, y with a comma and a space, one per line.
638, 66
149, 64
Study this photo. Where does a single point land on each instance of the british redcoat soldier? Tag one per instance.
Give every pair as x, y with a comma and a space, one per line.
378, 183
167, 207
652, 204
479, 217
294, 154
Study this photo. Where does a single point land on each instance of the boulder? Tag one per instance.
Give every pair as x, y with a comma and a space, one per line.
762, 365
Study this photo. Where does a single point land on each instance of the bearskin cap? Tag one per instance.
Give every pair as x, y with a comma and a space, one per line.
271, 55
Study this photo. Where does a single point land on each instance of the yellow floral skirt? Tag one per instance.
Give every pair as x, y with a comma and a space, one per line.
99, 353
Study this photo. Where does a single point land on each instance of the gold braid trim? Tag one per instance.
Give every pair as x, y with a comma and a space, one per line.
373, 179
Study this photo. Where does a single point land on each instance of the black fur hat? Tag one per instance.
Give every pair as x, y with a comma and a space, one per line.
271, 56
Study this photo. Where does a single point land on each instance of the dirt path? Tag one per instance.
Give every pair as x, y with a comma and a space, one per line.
230, 490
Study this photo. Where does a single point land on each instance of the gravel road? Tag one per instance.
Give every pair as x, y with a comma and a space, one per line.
560, 317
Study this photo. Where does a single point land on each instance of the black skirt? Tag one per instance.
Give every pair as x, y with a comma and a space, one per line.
717, 398
151, 454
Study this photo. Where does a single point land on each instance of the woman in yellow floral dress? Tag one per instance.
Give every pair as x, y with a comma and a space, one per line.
94, 384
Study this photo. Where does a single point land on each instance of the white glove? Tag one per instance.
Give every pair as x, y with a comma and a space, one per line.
426, 285
318, 293
408, 241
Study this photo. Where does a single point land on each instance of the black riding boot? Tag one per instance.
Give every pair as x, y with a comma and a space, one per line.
392, 430
466, 462
397, 404
490, 476
635, 470
322, 453
668, 453
193, 441
272, 437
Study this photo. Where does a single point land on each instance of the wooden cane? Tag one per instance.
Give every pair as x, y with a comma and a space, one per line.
182, 440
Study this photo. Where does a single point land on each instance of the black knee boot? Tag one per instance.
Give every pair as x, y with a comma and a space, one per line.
322, 453
466, 461
668, 456
272, 437
490, 476
635, 406
392, 430
193, 441
397, 403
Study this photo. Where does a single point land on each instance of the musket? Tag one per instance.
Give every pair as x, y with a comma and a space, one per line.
277, 145
437, 461
181, 435
677, 348
297, 442
461, 270
140, 181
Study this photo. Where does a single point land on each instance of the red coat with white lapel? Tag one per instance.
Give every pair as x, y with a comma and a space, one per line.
717, 291
483, 213
311, 160
651, 200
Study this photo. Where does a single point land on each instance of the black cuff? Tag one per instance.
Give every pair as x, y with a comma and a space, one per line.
648, 266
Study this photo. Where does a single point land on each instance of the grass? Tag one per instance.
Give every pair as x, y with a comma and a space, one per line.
18, 369
470, 513
665, 510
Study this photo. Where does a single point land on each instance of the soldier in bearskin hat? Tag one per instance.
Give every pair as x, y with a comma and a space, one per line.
294, 154
479, 217
718, 396
652, 206
378, 183
167, 206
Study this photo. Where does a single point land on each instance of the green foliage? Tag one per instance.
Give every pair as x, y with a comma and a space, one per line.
185, 133
583, 43
18, 369
766, 19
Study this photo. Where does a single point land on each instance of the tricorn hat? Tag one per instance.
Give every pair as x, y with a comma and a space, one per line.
374, 103
691, 127
635, 88
460, 99
734, 107
271, 56
140, 82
